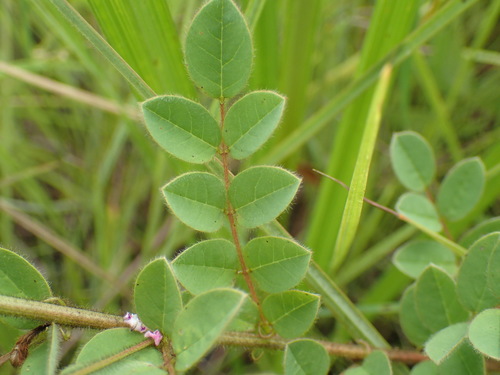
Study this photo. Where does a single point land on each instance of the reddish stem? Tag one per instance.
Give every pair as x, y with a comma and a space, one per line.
232, 220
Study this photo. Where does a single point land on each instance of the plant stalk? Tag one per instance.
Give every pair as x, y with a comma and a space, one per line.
74, 317
64, 315
231, 218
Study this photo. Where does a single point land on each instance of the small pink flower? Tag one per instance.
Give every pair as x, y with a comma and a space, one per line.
156, 336
134, 322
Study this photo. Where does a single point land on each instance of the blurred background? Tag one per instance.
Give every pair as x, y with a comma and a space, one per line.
80, 177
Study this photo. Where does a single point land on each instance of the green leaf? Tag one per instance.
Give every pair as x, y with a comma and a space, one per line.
412, 258
484, 333
480, 230
292, 312
418, 208
306, 357
276, 264
425, 368
18, 278
157, 297
111, 342
260, 194
182, 127
219, 49
207, 265
198, 199
45, 357
445, 341
412, 160
464, 360
201, 322
250, 122
377, 363
411, 323
247, 317
356, 371
436, 300
478, 282
120, 367
461, 189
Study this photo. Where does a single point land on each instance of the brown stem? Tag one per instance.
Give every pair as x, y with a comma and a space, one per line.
349, 351
18, 355
85, 318
232, 221
369, 201
168, 354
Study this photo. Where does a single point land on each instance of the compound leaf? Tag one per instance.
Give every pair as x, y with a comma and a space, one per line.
18, 278
306, 357
182, 127
377, 363
412, 160
219, 49
480, 230
108, 344
198, 199
442, 344
411, 323
436, 300
425, 368
464, 360
201, 322
412, 258
461, 189
157, 296
207, 265
251, 121
419, 209
478, 281
276, 264
484, 333
260, 194
292, 312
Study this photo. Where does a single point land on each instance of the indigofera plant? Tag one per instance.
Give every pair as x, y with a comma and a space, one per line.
237, 285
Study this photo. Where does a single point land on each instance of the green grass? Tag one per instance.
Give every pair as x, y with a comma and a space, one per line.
79, 178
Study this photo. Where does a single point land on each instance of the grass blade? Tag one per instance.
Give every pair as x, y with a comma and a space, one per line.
75, 19
354, 204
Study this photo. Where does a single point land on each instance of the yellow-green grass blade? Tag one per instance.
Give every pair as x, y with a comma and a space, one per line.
354, 203
327, 215
253, 12
396, 56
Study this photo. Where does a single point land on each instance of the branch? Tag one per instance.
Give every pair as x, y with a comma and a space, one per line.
75, 317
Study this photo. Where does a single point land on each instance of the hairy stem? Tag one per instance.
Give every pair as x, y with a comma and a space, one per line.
68, 316
230, 215
74, 317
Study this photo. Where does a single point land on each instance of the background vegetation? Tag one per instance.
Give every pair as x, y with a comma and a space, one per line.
79, 182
